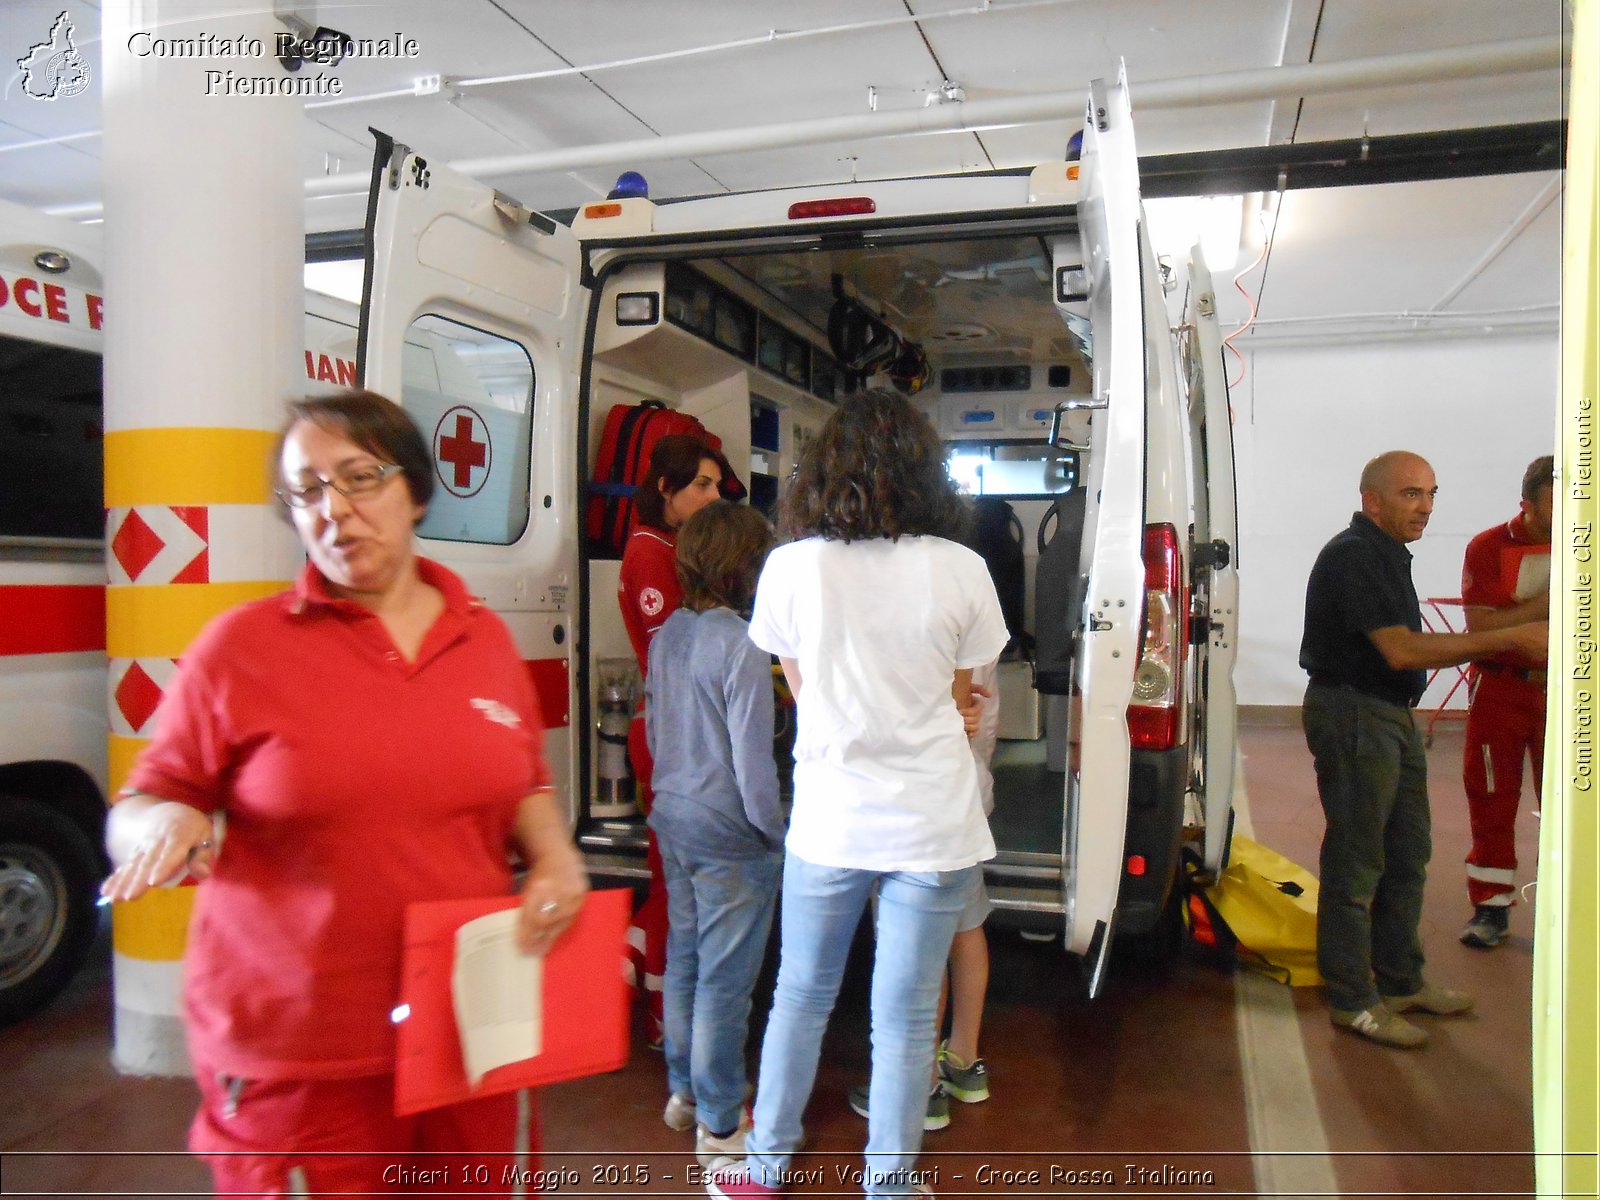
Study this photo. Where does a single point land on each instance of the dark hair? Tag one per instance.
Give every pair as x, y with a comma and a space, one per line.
675, 461
876, 470
375, 423
720, 553
1541, 473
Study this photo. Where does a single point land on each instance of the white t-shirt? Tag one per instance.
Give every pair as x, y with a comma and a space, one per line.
884, 779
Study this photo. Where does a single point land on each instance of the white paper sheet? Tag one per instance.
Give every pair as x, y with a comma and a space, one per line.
498, 993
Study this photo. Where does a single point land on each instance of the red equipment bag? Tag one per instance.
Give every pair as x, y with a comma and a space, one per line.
631, 433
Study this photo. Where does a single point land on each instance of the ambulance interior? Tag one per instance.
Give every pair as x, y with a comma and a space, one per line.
968, 327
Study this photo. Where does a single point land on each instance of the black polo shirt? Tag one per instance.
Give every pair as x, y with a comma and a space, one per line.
1361, 582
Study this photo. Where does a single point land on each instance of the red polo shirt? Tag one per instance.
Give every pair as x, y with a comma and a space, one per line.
353, 783
1502, 567
648, 590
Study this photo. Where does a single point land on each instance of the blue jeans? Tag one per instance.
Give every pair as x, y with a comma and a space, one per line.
719, 911
917, 914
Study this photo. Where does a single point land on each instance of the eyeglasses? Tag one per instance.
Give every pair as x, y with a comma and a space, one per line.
362, 481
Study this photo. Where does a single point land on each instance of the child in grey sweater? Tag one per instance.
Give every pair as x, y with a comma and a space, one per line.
717, 820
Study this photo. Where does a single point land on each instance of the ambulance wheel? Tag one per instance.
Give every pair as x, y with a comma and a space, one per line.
49, 873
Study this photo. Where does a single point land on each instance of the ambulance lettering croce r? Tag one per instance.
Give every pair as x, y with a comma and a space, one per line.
500, 714
463, 452
55, 69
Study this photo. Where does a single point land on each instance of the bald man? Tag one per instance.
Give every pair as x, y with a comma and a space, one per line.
1369, 660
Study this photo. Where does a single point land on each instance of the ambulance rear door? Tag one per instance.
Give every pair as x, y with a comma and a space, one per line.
1215, 562
1107, 652
471, 318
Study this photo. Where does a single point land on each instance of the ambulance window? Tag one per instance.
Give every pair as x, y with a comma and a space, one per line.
51, 448
1012, 469
471, 393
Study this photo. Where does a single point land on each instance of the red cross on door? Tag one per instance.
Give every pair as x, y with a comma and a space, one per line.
463, 451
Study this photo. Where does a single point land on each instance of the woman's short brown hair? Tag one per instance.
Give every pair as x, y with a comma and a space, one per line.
375, 423
876, 470
721, 550
675, 462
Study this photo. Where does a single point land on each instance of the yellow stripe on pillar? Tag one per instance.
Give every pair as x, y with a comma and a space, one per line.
188, 466
123, 751
155, 927
160, 621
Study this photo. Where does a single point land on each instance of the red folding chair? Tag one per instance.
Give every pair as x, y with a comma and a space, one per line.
1439, 622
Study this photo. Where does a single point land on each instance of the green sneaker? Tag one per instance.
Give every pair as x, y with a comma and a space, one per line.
938, 1115
1379, 1024
967, 1082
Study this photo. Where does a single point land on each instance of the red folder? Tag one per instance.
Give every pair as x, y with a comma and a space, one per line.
585, 1003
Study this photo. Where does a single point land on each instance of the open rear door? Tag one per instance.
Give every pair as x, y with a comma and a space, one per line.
471, 319
1109, 220
1216, 561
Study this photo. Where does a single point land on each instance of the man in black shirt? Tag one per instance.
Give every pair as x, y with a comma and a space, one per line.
1368, 660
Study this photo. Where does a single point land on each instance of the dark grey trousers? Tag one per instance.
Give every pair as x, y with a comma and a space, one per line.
1372, 777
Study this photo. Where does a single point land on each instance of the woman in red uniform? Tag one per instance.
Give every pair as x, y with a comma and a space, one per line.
371, 739
684, 476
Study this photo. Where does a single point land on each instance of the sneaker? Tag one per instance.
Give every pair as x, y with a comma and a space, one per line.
1488, 926
1440, 1001
730, 1180
679, 1112
938, 1114
967, 1082
711, 1149
1380, 1025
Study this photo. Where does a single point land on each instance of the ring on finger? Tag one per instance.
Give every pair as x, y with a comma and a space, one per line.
548, 908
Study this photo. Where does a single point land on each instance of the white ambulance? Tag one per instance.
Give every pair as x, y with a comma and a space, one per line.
1025, 310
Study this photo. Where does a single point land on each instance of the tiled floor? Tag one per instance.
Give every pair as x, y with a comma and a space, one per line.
1148, 1079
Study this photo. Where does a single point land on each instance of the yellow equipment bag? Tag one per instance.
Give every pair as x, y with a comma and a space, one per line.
1269, 905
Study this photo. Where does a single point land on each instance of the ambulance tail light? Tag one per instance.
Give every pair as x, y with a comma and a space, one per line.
1153, 716
842, 206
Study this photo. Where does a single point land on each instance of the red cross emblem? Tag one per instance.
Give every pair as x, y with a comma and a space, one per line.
462, 451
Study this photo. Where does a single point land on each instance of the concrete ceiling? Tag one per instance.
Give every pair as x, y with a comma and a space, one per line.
608, 71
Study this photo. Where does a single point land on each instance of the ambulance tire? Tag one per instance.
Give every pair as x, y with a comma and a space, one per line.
49, 876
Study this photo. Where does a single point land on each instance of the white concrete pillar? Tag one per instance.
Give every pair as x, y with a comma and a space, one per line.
204, 234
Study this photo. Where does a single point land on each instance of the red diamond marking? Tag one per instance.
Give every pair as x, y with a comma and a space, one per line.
137, 696
136, 544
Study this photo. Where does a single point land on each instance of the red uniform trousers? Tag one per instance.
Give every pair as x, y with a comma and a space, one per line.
647, 936
327, 1137
1505, 722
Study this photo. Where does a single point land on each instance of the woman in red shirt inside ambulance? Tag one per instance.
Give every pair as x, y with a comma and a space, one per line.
325, 757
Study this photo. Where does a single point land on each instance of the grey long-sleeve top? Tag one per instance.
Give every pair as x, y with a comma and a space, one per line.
709, 721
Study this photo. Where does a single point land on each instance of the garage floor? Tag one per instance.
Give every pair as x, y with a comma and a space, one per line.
1194, 1082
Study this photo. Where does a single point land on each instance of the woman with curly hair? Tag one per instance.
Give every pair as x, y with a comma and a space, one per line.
878, 618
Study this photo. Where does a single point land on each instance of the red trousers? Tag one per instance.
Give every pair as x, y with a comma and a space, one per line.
647, 937
1505, 723
326, 1137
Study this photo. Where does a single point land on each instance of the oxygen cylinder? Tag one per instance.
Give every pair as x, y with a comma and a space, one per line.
613, 775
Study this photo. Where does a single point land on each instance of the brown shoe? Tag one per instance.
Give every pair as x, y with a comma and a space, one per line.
1379, 1024
1440, 1001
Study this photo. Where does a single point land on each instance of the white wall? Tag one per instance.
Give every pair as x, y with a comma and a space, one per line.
1307, 419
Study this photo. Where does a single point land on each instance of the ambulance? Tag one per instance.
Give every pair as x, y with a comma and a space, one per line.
1026, 314
1025, 311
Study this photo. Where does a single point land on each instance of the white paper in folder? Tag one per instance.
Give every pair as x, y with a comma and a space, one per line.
498, 993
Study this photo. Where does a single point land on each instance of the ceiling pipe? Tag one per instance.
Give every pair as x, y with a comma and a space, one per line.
1233, 87
1526, 217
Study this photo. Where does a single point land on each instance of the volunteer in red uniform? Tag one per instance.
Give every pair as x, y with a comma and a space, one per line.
369, 738
685, 475
1505, 580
